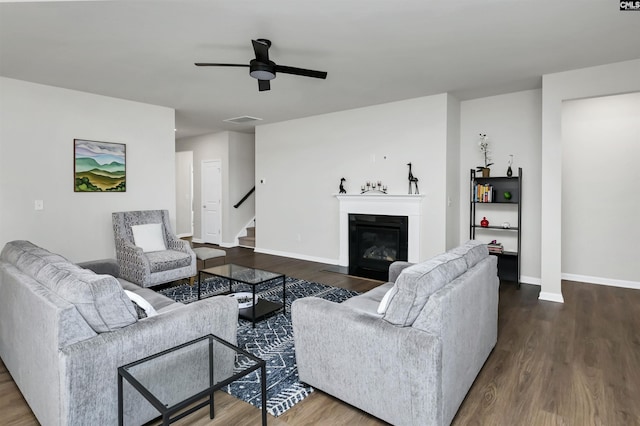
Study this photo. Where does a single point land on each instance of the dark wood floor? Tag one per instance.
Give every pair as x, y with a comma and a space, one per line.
576, 363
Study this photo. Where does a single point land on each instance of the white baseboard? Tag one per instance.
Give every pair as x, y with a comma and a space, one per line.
551, 297
228, 245
530, 280
197, 240
602, 281
297, 256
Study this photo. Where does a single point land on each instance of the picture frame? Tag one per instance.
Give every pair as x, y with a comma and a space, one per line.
99, 166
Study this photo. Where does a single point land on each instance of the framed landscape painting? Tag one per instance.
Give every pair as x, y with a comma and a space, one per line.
99, 166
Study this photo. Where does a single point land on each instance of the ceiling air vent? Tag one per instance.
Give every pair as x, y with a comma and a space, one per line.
242, 120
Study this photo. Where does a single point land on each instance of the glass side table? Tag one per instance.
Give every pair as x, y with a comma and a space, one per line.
194, 366
253, 277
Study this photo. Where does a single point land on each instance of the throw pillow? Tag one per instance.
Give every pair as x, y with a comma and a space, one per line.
149, 237
141, 303
384, 303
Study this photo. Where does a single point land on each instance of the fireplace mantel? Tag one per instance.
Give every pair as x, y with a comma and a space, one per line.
382, 204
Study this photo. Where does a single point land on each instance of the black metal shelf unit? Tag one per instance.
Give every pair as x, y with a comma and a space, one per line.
503, 191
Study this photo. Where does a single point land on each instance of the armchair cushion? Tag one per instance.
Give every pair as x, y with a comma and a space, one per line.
166, 260
149, 237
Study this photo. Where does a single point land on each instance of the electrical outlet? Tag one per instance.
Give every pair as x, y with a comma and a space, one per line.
39, 205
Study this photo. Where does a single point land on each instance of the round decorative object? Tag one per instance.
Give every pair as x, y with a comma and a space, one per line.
507, 195
506, 225
245, 299
484, 222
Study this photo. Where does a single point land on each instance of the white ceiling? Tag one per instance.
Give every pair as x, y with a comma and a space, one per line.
374, 51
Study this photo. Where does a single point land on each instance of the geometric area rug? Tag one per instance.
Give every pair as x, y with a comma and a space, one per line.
271, 340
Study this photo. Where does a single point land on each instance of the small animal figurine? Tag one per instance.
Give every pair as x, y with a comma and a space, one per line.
412, 180
342, 190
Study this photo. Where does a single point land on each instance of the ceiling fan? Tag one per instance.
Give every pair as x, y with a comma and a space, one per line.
263, 69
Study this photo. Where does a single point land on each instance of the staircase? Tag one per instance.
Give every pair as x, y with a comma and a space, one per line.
250, 239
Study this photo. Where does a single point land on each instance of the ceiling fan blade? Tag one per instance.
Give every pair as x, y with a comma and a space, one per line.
301, 71
264, 85
261, 48
207, 64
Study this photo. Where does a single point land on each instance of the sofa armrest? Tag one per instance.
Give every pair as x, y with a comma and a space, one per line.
396, 268
102, 266
391, 372
89, 368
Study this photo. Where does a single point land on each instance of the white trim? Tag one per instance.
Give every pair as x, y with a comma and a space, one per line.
297, 256
197, 240
228, 245
602, 281
551, 297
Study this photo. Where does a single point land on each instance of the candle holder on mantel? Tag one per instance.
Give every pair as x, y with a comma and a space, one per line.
373, 186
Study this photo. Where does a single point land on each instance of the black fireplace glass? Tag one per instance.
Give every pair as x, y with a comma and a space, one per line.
375, 242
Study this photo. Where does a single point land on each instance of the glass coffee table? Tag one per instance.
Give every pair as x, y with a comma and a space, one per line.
200, 367
260, 308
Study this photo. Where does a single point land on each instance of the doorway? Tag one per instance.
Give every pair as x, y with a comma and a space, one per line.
211, 184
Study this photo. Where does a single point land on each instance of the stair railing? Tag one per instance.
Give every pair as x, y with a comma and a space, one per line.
244, 198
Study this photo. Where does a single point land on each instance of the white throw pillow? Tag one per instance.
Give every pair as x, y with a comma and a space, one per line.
149, 237
142, 303
384, 303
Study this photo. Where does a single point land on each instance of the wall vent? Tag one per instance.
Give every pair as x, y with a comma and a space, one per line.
242, 120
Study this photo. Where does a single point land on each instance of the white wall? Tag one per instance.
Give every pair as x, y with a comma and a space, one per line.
512, 123
453, 172
37, 127
242, 177
236, 153
621, 77
184, 193
303, 160
600, 177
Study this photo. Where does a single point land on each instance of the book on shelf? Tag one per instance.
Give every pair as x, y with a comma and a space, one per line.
495, 247
483, 193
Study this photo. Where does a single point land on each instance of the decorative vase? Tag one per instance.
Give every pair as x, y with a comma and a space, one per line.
507, 195
484, 222
486, 172
509, 172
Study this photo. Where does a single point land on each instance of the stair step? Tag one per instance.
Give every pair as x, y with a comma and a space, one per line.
247, 241
251, 231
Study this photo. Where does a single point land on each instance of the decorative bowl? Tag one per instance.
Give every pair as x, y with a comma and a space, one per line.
245, 299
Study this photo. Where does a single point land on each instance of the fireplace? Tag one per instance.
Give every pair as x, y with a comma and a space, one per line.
376, 241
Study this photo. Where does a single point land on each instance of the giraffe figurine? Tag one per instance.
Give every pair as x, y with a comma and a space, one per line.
412, 180
342, 190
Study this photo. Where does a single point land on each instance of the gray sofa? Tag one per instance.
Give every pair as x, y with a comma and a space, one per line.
413, 363
64, 331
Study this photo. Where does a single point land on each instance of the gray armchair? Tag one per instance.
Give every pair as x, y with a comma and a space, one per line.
151, 268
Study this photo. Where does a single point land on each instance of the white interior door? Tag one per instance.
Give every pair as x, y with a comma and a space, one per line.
211, 198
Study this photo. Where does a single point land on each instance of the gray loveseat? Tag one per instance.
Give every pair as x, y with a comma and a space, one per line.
64, 331
414, 363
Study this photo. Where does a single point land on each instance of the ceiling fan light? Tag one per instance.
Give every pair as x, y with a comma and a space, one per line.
262, 74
